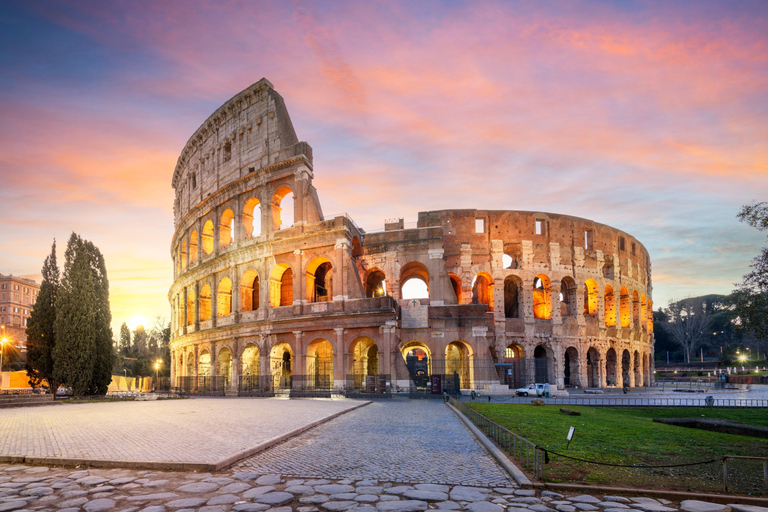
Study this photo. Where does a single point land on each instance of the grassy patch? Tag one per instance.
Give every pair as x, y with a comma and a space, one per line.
629, 437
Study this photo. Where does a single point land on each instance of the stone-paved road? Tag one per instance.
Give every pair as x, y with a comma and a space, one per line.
395, 440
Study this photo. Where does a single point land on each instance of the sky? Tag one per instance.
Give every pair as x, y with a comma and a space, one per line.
651, 117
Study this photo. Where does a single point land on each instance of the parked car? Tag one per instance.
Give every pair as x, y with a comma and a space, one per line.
531, 389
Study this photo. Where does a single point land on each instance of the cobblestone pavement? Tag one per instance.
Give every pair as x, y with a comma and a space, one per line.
44, 489
395, 440
201, 430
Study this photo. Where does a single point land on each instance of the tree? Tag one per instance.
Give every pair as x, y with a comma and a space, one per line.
750, 299
689, 321
125, 340
83, 352
41, 334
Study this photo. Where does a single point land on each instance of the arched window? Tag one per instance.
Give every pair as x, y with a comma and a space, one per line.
281, 286
225, 228
192, 247
183, 255
567, 297
414, 281
590, 297
319, 280
643, 312
636, 309
252, 218
205, 303
224, 297
190, 307
375, 284
283, 200
208, 237
624, 305
456, 285
610, 306
482, 290
542, 297
512, 297
249, 291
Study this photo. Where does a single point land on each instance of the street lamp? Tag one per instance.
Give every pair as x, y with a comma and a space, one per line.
3, 341
157, 367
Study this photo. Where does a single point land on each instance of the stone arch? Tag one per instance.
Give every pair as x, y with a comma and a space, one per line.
590, 297
512, 370
226, 228
417, 272
281, 364
512, 286
204, 363
208, 237
567, 297
593, 368
283, 216
252, 217
610, 368
418, 361
281, 286
542, 297
184, 260
224, 365
643, 320
224, 297
610, 306
190, 368
542, 356
626, 366
319, 280
635, 309
375, 283
250, 361
365, 358
637, 369
319, 361
205, 303
192, 247
571, 369
456, 286
458, 362
508, 261
249, 291
482, 290
624, 307
190, 307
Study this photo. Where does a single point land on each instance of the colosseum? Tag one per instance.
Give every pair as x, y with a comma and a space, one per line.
271, 296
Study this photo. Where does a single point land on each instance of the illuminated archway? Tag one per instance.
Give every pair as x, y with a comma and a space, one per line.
283, 211
281, 365
482, 290
610, 306
250, 362
624, 306
224, 297
414, 281
457, 363
204, 364
192, 247
249, 291
418, 361
375, 284
281, 286
190, 307
252, 218
542, 297
365, 358
226, 228
208, 237
319, 364
205, 303
590, 297
319, 280
224, 366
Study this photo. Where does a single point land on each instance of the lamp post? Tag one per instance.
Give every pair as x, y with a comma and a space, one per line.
3, 341
157, 367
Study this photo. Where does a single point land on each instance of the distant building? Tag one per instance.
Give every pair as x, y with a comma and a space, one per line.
17, 298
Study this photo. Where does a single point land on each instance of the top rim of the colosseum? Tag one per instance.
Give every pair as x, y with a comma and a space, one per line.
182, 160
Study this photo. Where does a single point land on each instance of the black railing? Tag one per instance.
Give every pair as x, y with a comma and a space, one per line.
256, 385
203, 385
374, 386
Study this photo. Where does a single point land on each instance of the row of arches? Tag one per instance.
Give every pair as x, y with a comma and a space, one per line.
222, 234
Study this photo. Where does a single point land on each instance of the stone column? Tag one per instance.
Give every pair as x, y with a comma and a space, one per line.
339, 272
340, 358
299, 366
197, 368
197, 306
234, 276
173, 367
236, 352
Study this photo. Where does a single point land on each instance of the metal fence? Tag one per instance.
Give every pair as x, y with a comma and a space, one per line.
255, 385
631, 402
374, 386
523, 451
204, 385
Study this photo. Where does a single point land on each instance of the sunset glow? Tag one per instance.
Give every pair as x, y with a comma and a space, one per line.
649, 117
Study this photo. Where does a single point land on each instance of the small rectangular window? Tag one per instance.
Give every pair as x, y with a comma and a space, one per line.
633, 248
227, 151
588, 239
479, 225
621, 243
539, 227
5, 286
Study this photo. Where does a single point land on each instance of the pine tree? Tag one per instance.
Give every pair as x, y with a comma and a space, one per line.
125, 340
41, 335
83, 354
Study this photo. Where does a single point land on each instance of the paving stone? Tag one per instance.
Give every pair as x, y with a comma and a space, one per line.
402, 506
307, 509
447, 505
525, 492
611, 504
333, 488
198, 487
335, 506
91, 480
274, 498
12, 505
618, 499
584, 498
367, 498
102, 488
432, 487
565, 508
250, 507
246, 476
213, 508
525, 500
73, 494
516, 509
74, 502
155, 496
540, 508
703, 506
747, 508
343, 496
218, 480
399, 489
37, 491
483, 506
12, 485
156, 483
186, 502
388, 497
269, 480
364, 508
223, 499
416, 494
367, 482
98, 505
72, 509
317, 499
587, 507
369, 489
154, 508
653, 507
258, 491
615, 510
461, 493
643, 499
317, 482
235, 487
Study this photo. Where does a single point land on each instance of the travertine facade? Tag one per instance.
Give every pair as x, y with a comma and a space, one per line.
502, 297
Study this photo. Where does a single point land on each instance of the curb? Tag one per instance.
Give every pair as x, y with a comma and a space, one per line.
493, 450
174, 466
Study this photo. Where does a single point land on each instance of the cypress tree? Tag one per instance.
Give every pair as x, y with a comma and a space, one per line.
125, 340
41, 335
83, 353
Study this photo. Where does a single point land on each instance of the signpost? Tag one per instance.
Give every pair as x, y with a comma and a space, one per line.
570, 436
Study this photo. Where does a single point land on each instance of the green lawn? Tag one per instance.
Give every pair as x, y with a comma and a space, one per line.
628, 436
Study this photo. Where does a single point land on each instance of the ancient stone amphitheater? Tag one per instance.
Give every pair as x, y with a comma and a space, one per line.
270, 295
